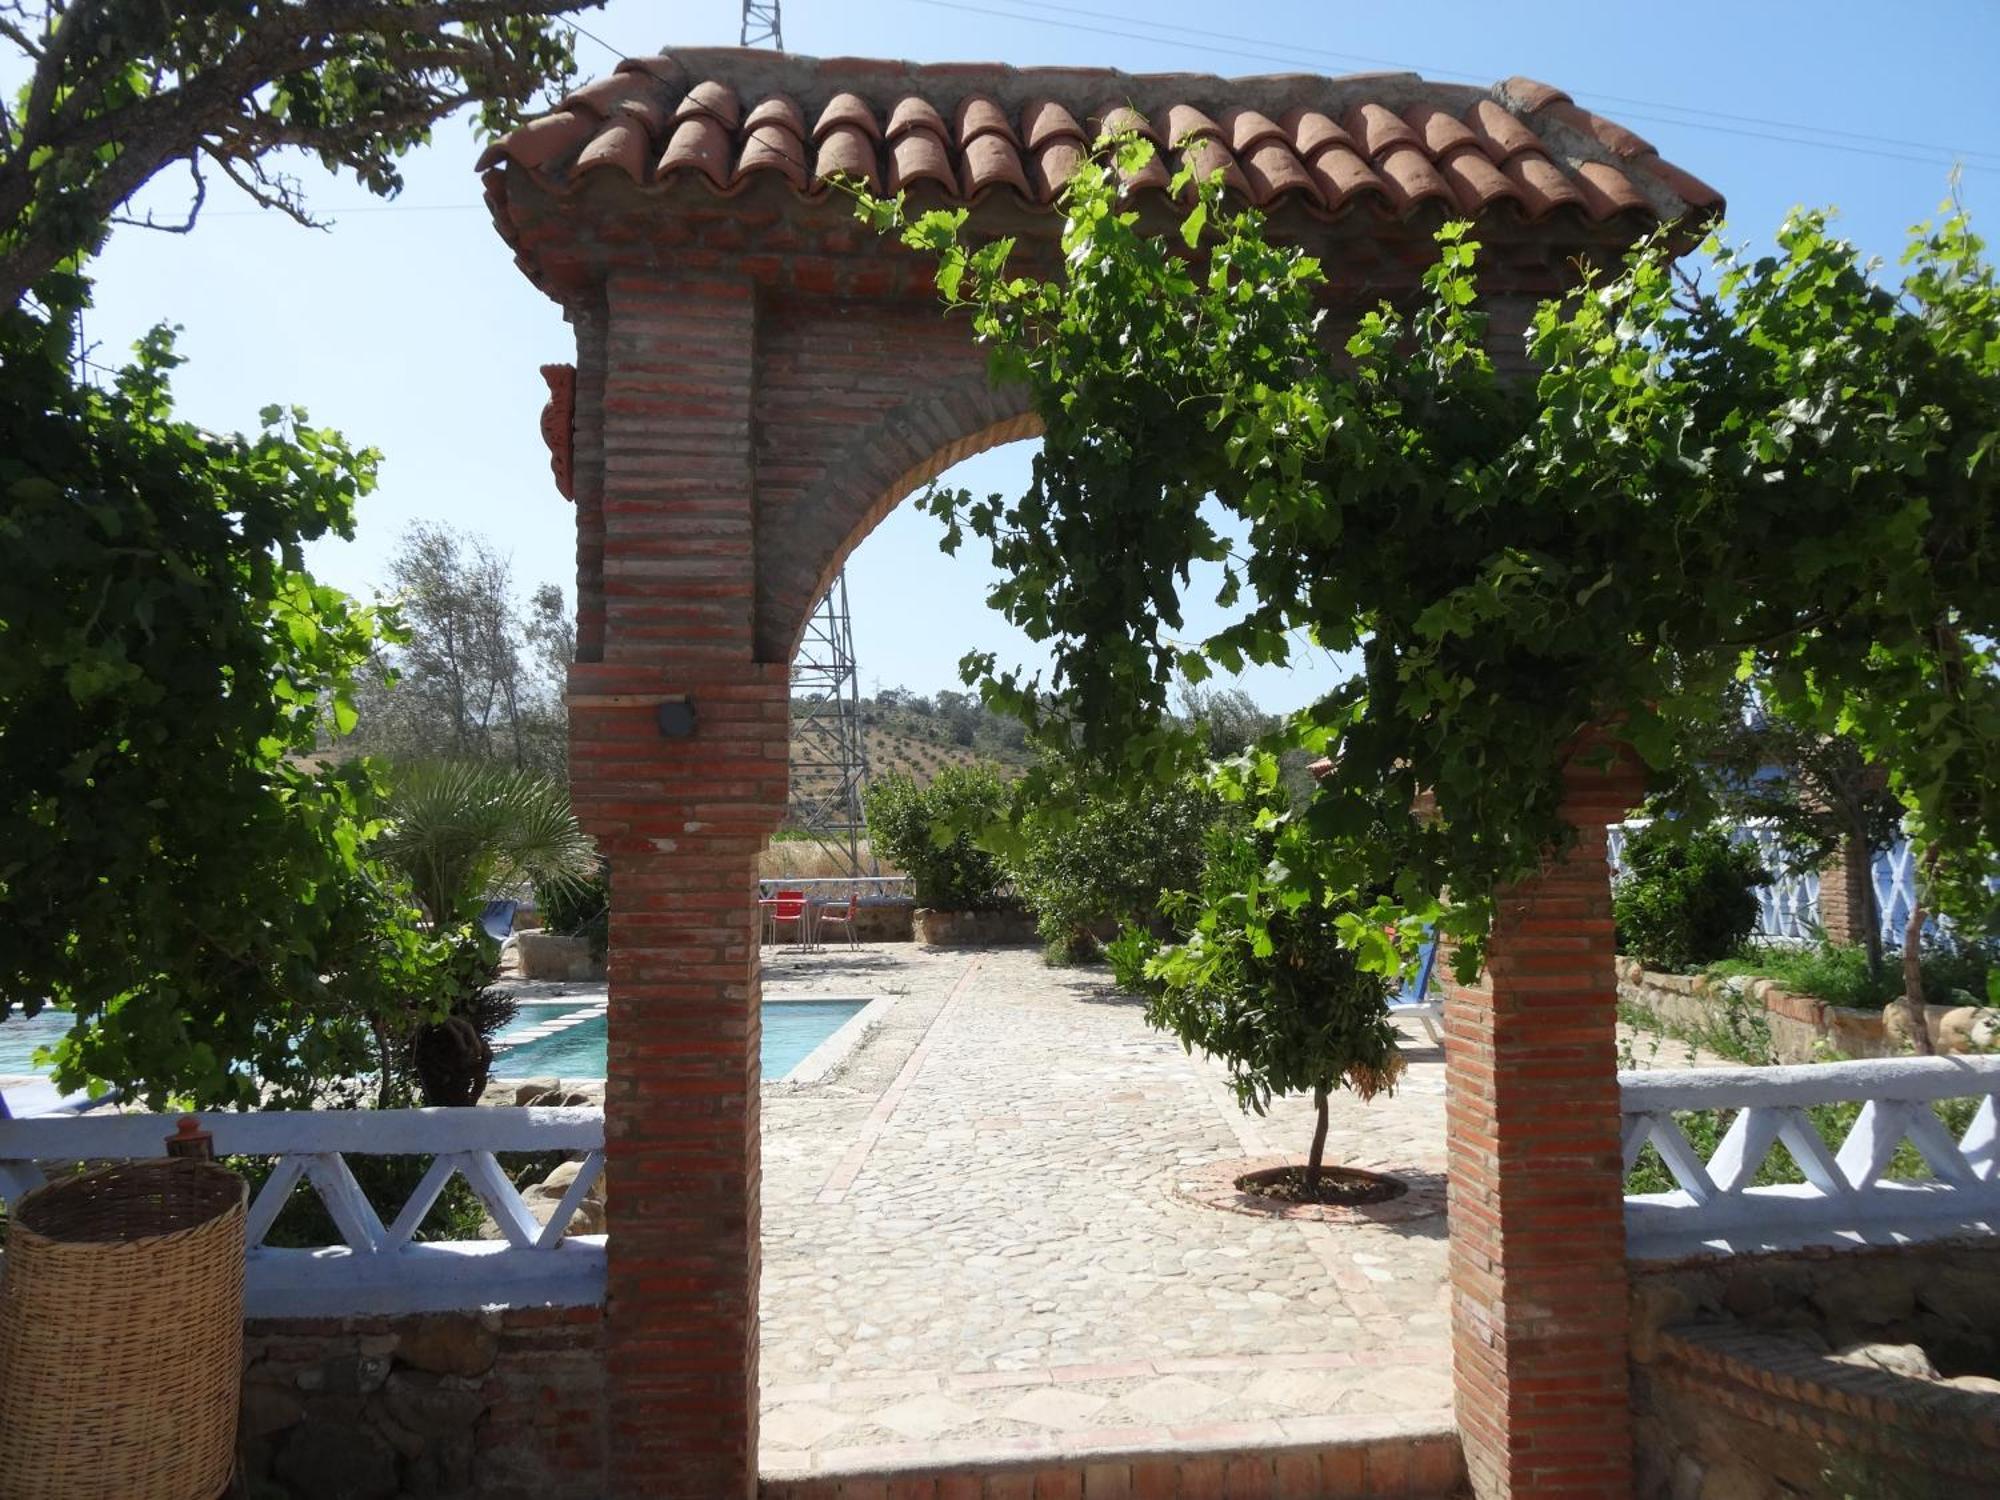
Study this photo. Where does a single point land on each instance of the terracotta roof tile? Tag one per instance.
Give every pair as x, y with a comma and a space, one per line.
1376, 127
1045, 120
1606, 190
1343, 176
919, 156
992, 160
1411, 178
1273, 169
1053, 163
774, 148
1247, 129
979, 116
1475, 181
777, 109
1186, 123
1500, 134
1152, 176
1543, 187
1315, 145
913, 113
1439, 129
1206, 155
717, 100
624, 143
849, 111
1531, 94
1613, 136
1119, 118
846, 151
700, 142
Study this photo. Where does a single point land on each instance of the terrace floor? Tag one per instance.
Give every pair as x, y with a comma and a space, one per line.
979, 1237
993, 1231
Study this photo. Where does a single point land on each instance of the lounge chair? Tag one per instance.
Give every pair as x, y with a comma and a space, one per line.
1414, 999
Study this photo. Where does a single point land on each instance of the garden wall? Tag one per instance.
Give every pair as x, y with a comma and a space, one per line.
1801, 1028
974, 929
500, 1405
1737, 1390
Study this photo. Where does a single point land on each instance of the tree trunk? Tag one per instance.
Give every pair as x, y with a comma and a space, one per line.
1871, 937
1318, 1153
1913, 980
1913, 958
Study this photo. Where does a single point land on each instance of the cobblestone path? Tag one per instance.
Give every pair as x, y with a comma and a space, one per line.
973, 1243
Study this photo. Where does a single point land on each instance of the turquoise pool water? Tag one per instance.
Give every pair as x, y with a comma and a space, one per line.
19, 1037
791, 1030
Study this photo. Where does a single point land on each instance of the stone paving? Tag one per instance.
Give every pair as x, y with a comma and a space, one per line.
978, 1240
973, 1244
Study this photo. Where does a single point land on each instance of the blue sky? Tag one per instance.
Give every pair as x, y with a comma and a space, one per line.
409, 328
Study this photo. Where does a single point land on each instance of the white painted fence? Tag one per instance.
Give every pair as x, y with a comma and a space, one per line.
1845, 1200
378, 1267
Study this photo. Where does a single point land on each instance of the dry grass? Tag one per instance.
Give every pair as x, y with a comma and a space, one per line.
801, 859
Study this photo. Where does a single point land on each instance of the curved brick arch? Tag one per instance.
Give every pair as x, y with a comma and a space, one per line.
880, 466
758, 382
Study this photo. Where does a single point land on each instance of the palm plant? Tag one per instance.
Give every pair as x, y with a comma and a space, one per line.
457, 832
460, 830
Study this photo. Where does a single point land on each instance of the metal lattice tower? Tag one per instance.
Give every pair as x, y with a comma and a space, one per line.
761, 24
829, 747
829, 750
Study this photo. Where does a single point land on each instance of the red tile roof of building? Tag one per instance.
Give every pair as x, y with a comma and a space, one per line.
1393, 142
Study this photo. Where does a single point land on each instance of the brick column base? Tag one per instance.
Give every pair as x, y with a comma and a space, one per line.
1537, 1260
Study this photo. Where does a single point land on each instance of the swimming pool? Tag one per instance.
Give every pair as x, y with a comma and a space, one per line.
571, 1045
565, 1039
20, 1036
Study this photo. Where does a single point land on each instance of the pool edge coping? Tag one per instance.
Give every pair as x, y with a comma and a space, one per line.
817, 1064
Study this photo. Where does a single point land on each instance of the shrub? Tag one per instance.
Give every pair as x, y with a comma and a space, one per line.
582, 908
1686, 896
1110, 861
928, 832
1962, 973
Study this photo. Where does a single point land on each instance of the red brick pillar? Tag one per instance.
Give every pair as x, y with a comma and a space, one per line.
1537, 1220
1846, 905
681, 810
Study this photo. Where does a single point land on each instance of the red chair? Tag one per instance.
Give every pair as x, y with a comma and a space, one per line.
843, 919
788, 906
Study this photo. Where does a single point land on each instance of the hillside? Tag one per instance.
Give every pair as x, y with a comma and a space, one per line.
907, 734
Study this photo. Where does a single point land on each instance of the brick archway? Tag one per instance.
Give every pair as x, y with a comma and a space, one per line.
758, 382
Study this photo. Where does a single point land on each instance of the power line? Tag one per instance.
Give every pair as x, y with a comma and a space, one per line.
1267, 50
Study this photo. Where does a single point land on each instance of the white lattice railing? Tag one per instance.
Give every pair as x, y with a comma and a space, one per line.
379, 1267
1849, 1196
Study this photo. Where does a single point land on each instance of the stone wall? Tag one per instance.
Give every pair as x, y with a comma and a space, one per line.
500, 1405
1747, 1382
1801, 1028
974, 929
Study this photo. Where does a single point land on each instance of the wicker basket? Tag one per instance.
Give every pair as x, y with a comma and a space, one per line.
121, 1335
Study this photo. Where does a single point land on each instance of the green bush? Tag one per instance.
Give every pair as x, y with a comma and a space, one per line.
1686, 898
582, 908
1838, 973
927, 831
1110, 861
